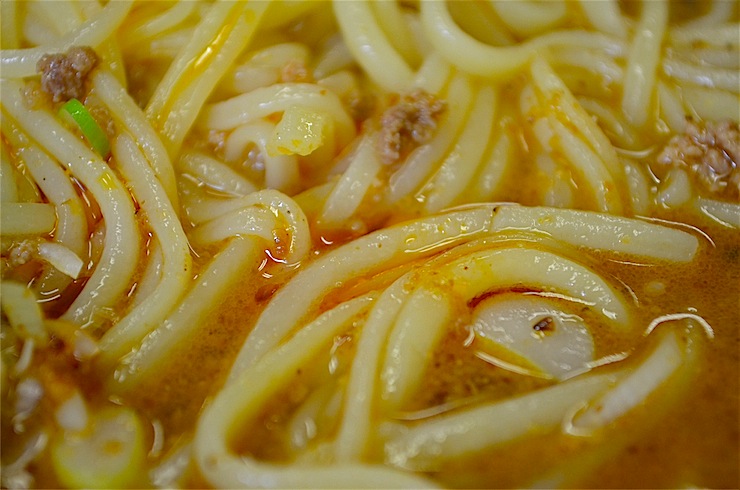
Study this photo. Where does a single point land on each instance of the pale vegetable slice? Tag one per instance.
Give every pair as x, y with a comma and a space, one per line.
109, 454
300, 131
559, 344
61, 258
72, 414
23, 312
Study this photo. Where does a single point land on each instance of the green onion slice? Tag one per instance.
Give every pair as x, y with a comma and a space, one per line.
89, 127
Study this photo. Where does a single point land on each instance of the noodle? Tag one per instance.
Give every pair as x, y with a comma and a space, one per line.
367, 244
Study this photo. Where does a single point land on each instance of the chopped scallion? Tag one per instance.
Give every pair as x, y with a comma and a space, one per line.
89, 127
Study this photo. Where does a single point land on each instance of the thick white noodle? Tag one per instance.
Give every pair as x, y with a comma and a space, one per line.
262, 102
355, 427
222, 34
62, 17
215, 174
354, 183
433, 75
380, 250
556, 93
240, 222
231, 264
243, 251
663, 363
463, 51
370, 47
529, 18
602, 232
396, 26
702, 75
719, 13
240, 401
263, 67
672, 109
410, 345
458, 168
717, 36
498, 62
152, 275
725, 212
71, 225
161, 217
8, 185
593, 61
122, 235
9, 35
643, 61
710, 104
127, 113
489, 179
612, 122
16, 63
463, 432
168, 19
421, 163
605, 16
638, 184
591, 169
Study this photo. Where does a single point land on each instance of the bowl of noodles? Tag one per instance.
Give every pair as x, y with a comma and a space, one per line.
370, 244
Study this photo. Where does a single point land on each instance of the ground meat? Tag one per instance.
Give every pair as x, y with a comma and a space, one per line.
711, 152
409, 122
63, 74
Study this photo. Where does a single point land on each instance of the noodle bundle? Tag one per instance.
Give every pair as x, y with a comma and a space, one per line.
424, 244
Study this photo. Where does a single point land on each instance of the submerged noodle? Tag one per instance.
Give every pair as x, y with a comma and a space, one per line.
369, 244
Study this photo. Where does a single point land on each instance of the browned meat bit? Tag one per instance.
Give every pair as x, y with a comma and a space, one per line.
409, 122
710, 151
63, 74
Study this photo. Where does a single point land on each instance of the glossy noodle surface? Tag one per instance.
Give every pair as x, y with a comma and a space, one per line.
370, 244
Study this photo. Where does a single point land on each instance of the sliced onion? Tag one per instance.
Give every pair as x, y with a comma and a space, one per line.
61, 258
72, 414
109, 454
23, 312
557, 343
